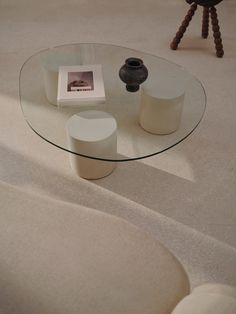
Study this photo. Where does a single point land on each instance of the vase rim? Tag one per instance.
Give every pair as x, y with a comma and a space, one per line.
134, 62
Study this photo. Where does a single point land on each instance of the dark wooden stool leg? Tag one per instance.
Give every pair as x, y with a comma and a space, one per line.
183, 27
216, 33
205, 22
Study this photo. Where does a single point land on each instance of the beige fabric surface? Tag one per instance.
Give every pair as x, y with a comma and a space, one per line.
185, 197
60, 258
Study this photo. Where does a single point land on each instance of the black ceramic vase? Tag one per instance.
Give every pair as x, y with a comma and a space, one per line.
133, 73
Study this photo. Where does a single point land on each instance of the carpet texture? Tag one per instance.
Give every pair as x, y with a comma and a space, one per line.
58, 257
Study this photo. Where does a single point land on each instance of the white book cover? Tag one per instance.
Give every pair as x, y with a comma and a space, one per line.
80, 84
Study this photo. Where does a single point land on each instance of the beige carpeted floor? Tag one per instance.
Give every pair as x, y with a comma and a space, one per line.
185, 197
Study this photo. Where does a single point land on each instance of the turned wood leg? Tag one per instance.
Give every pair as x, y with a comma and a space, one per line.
183, 27
216, 33
205, 22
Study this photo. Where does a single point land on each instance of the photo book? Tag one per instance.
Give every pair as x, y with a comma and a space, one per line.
80, 85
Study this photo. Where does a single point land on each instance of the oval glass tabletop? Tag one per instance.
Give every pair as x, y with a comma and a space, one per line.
39, 85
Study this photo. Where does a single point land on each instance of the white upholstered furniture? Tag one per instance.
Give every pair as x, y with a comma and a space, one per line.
209, 299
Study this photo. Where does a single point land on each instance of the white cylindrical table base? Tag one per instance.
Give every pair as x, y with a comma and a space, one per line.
161, 108
92, 133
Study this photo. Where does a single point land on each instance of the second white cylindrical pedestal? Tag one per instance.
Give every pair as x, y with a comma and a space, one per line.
161, 108
93, 134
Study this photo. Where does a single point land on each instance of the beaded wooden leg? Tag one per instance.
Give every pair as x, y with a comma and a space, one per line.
205, 22
183, 27
216, 33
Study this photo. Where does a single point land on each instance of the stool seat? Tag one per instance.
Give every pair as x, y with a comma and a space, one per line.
205, 3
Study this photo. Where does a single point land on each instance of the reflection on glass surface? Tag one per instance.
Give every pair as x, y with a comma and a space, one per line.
49, 120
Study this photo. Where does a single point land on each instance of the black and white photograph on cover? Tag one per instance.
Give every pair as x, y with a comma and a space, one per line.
80, 84
80, 81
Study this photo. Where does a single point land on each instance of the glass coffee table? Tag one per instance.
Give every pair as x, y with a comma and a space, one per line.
38, 93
